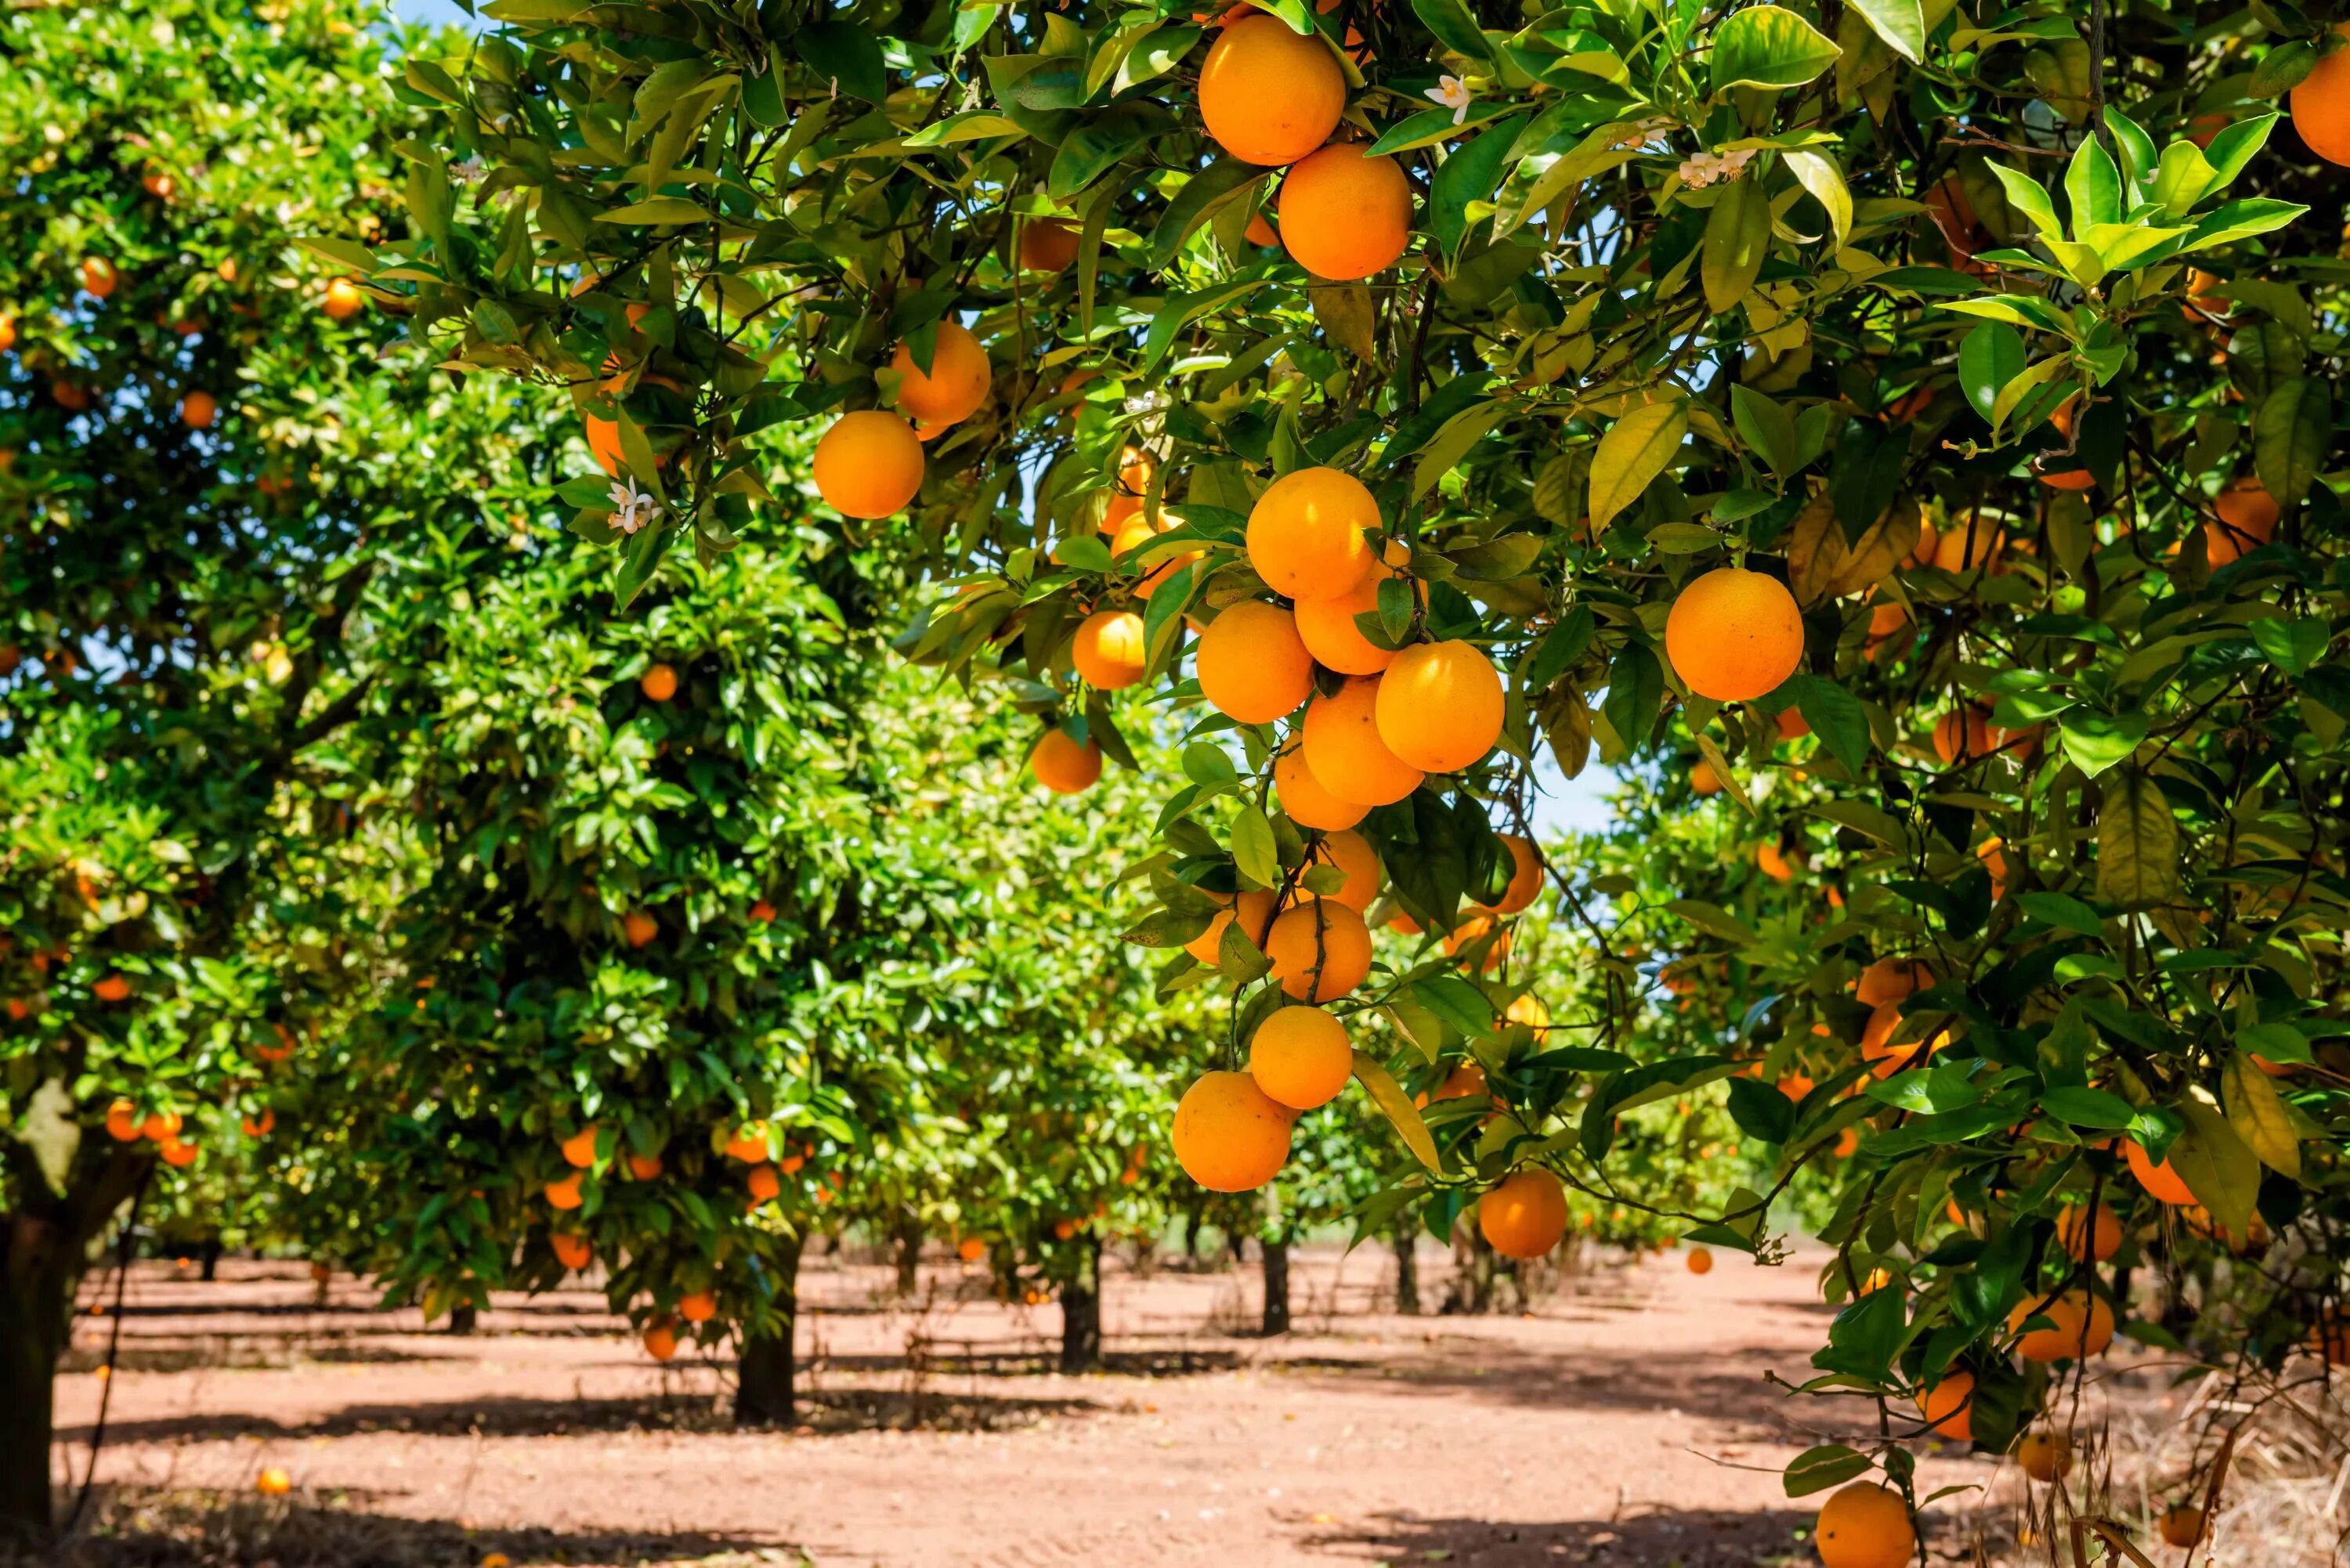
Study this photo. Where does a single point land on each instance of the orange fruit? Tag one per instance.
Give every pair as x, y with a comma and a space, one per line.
1346, 750
1269, 95
1465, 1082
565, 1194
198, 409
748, 1145
1047, 244
1948, 1407
956, 384
1301, 794
1305, 532
1529, 1011
1991, 853
1890, 979
2077, 1229
2248, 518
1864, 1525
661, 1341
659, 683
2181, 1524
2321, 108
1963, 735
1063, 766
868, 465
644, 1166
1701, 1262
1300, 1057
1355, 859
1230, 1135
1525, 1215
2082, 1326
1772, 862
1703, 780
1439, 706
99, 276
111, 987
639, 928
1254, 910
1968, 546
571, 1251
971, 1249
1734, 635
1921, 554
342, 299
1794, 1085
1525, 876
8, 328
281, 1052
579, 1148
177, 1152
1792, 724
1253, 665
122, 1122
1327, 627
699, 1306
763, 1183
1258, 233
1321, 950
1474, 929
1345, 215
2044, 1456
2069, 479
1108, 652
2163, 1184
272, 1482
160, 1128
1876, 1043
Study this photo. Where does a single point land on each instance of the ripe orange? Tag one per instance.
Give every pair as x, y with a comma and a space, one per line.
659, 683
1305, 532
2163, 1183
1300, 1057
342, 299
1439, 706
1474, 929
1108, 652
1355, 859
1321, 950
281, 1052
1890, 979
1970, 545
8, 331
639, 928
2069, 479
1259, 232
660, 1340
178, 1152
958, 379
1047, 244
2182, 1524
2077, 1229
1301, 794
1465, 1082
2248, 519
1345, 215
2321, 108
160, 1128
1734, 635
868, 465
1963, 735
1252, 663
2044, 1456
272, 1482
1345, 749
1701, 1262
1772, 861
644, 1166
1230, 1135
565, 1194
1269, 95
1063, 766
1864, 1525
99, 276
698, 1306
1795, 1085
1254, 910
1949, 1407
122, 1122
579, 1148
111, 987
764, 1183
198, 409
1525, 1215
572, 1251
1703, 780
1327, 627
971, 1249
2082, 1326
748, 1145
1991, 853
1526, 876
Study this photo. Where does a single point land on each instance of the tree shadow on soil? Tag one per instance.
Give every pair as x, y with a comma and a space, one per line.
137, 1527
1696, 1538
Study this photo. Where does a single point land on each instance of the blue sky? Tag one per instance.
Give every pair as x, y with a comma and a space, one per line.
433, 11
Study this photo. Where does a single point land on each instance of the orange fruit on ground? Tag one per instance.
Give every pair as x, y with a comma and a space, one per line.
1301, 794
2163, 1184
1346, 751
2082, 1326
1047, 244
122, 1122
763, 1183
971, 1250
1703, 780
2181, 1524
1963, 735
565, 1194
99, 276
1701, 1262
661, 1341
2321, 108
1269, 95
1305, 532
1321, 950
868, 465
162, 1127
1439, 706
1108, 652
111, 987
1230, 1135
1300, 1057
748, 1145
579, 1148
342, 299
1063, 766
1864, 1525
198, 409
1525, 1215
1253, 665
272, 1482
659, 683
1345, 215
1355, 859
1890, 979
2077, 1229
956, 384
1734, 635
571, 1251
1327, 627
178, 1152
639, 928
1526, 876
1955, 551
1254, 909
1948, 1406
2044, 1456
700, 1306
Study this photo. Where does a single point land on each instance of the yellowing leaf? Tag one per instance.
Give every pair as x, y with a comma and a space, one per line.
1398, 1109
2260, 1116
1635, 448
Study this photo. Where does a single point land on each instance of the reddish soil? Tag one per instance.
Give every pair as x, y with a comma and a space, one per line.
1625, 1421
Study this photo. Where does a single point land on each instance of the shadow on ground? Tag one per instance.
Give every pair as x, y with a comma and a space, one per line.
1670, 1539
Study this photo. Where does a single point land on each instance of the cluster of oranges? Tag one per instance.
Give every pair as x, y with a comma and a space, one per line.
162, 1128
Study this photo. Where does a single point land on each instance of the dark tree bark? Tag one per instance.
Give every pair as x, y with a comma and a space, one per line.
909, 1256
211, 1257
1192, 1221
765, 1395
1407, 1256
1274, 1256
1473, 1269
1081, 1335
463, 1318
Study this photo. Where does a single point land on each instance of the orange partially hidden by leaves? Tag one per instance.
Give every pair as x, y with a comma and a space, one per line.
1772, 862
1047, 244
1890, 979
1949, 1407
639, 928
1252, 664
1320, 951
579, 1148
1230, 1135
1345, 213
1108, 651
644, 1166
748, 1145
99, 276
1734, 635
1701, 1262
1300, 1057
342, 299
2068, 478
1269, 95
1793, 726
1526, 876
1301, 794
660, 1340
2077, 1229
111, 987
2162, 1183
1305, 532
764, 1183
1474, 929
1963, 735
178, 1152
1439, 706
1259, 232
2081, 1326
122, 1122
1703, 780
160, 1128
8, 322
868, 465
2248, 519
272, 1482
1864, 1525
697, 1306
281, 1052
2181, 1524
1327, 629
198, 409
1970, 545
1525, 1215
1346, 751
2044, 1456
1254, 909
2321, 108
572, 1251
1063, 766
1354, 858
565, 1194
971, 1249
956, 384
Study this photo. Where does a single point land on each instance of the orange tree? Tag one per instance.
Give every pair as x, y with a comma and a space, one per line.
1391, 391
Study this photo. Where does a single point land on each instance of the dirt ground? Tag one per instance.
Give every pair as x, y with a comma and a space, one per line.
1625, 1421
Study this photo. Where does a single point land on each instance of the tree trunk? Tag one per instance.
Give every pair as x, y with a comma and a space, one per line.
1192, 1222
909, 1256
1473, 1263
463, 1318
1081, 1335
763, 1391
211, 1259
1407, 1256
1275, 1259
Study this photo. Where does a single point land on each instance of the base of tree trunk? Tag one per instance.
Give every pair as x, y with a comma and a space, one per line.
463, 1318
1081, 1335
1407, 1256
765, 1395
1275, 1256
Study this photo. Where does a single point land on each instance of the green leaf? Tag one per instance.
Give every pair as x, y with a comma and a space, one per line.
2218, 1168
2278, 1044
2096, 742
1418, 1024
1989, 357
1768, 46
1195, 203
1635, 448
1820, 176
2285, 67
2240, 220
2258, 1113
1760, 1111
2026, 196
1454, 28
1818, 1469
2079, 1106
1454, 442
1253, 849
2064, 911
1092, 149
2292, 434
2293, 646
2094, 187
1714, 920
1388, 1096
1837, 717
1737, 238
1155, 52
1471, 174
2137, 844
1456, 1002
659, 209
1900, 23
846, 56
